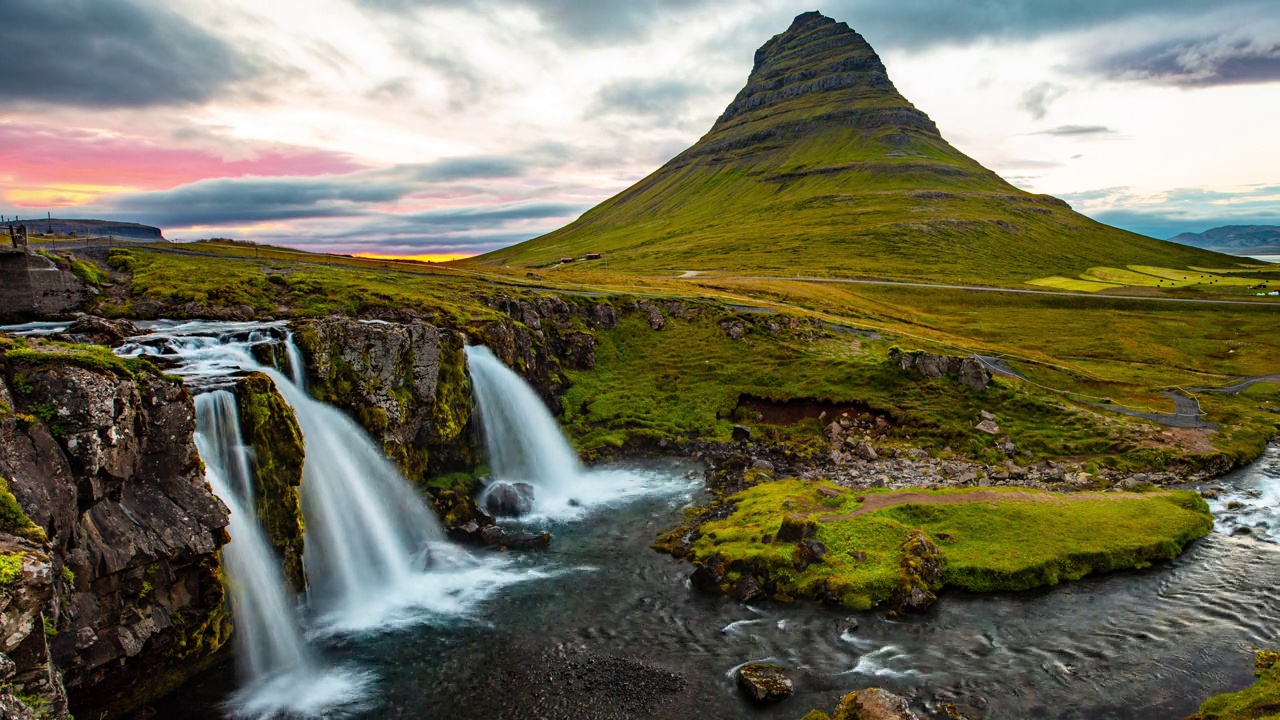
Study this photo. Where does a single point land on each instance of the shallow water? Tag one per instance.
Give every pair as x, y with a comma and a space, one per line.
1149, 645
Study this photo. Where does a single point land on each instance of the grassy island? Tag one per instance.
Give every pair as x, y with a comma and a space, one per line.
879, 546
1259, 701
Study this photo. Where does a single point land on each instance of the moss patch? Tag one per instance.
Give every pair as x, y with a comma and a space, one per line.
10, 567
14, 520
1260, 701
270, 428
990, 539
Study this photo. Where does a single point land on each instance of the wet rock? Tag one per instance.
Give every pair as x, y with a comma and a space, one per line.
875, 704
100, 331
796, 528
741, 433
468, 533
705, 579
807, 552
747, 589
505, 499
764, 684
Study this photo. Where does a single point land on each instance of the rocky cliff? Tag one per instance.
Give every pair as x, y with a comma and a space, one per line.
405, 382
33, 286
99, 454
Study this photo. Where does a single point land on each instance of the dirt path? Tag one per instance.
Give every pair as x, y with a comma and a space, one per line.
879, 501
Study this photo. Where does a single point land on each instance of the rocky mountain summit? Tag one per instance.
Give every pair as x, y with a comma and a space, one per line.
1235, 239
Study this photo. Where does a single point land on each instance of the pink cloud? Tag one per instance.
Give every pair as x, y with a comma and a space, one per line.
36, 155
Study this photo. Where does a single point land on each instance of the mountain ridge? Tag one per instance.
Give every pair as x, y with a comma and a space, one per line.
1236, 239
819, 166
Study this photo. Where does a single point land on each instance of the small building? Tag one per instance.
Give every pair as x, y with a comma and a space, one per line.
566, 260
594, 256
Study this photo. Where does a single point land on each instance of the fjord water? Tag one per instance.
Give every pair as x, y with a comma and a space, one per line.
282, 674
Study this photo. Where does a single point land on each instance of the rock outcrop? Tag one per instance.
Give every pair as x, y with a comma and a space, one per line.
270, 429
406, 383
869, 704
99, 454
968, 371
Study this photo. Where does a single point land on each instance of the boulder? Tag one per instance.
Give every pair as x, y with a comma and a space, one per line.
968, 371
747, 589
764, 684
741, 433
865, 451
989, 427
973, 374
921, 567
763, 465
505, 499
705, 579
654, 315
807, 552
796, 528
101, 331
875, 704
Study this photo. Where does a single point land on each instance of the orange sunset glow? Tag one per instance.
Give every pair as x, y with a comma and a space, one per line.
428, 257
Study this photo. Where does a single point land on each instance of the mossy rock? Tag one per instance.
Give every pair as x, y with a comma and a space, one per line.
271, 430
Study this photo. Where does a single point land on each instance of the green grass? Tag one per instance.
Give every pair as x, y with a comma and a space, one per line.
1072, 284
1260, 701
687, 380
996, 545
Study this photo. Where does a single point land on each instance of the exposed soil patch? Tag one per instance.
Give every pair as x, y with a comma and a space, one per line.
793, 412
880, 501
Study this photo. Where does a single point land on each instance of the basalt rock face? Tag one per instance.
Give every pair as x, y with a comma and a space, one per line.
103, 460
406, 383
269, 427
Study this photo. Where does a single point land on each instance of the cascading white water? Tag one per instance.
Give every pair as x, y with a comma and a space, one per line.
269, 638
297, 370
367, 532
282, 673
524, 444
522, 439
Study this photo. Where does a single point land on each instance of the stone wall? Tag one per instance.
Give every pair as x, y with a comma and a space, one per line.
33, 286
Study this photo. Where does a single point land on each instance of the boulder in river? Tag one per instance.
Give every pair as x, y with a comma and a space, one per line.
764, 684
506, 499
875, 704
807, 552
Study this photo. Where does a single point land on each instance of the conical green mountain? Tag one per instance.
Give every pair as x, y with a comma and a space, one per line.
821, 167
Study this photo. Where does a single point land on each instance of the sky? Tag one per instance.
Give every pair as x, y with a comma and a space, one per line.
445, 128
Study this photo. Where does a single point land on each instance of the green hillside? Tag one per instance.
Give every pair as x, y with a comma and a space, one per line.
820, 167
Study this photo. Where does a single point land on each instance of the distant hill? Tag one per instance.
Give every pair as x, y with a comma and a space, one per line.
132, 231
820, 167
1235, 239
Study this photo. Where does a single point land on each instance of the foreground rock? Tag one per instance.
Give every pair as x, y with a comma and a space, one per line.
511, 500
764, 684
100, 456
869, 704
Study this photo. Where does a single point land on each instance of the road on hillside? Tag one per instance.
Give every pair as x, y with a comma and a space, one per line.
974, 288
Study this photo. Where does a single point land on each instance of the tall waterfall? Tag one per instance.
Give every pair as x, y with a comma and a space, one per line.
367, 531
282, 672
523, 440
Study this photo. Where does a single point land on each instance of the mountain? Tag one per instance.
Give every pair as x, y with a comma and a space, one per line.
90, 228
1235, 239
821, 167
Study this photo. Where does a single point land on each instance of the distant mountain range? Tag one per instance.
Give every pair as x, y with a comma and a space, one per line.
89, 228
821, 167
1235, 239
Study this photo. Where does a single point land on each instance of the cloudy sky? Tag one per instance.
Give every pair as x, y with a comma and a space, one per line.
450, 127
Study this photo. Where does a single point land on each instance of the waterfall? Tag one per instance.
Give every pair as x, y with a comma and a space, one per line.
297, 369
367, 531
282, 673
522, 439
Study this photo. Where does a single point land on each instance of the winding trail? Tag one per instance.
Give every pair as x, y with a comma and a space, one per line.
1241, 384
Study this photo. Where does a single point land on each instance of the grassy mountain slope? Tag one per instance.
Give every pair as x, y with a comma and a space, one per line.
820, 167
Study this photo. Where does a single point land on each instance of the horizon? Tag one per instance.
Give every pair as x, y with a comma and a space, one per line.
445, 132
